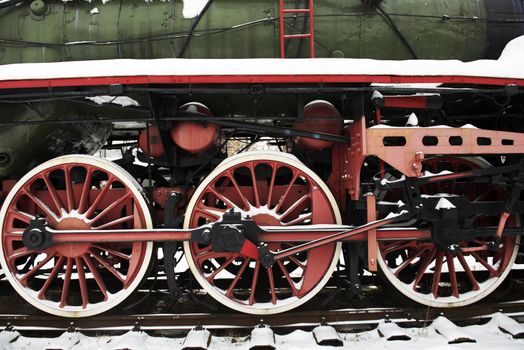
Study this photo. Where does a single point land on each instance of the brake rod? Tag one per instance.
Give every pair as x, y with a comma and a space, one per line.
403, 215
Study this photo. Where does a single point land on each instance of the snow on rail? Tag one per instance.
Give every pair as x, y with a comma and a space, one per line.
508, 66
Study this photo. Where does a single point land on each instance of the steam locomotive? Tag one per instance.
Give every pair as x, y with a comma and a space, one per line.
263, 171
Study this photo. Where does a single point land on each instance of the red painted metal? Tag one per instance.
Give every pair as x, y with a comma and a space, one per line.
155, 146
254, 79
333, 238
184, 133
273, 193
319, 116
411, 101
372, 233
90, 201
163, 235
408, 156
311, 35
409, 259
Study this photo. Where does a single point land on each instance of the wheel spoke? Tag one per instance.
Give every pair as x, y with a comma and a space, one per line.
271, 185
469, 273
296, 262
69, 189
255, 185
212, 213
112, 252
424, 265
288, 278
110, 207
396, 246
99, 197
299, 220
231, 178
67, 281
51, 217
54, 272
437, 273
213, 255
37, 268
452, 275
52, 191
254, 283
21, 215
211, 277
245, 264
107, 266
86, 188
408, 261
115, 222
224, 199
272, 288
82, 282
295, 205
96, 274
20, 252
288, 190
483, 262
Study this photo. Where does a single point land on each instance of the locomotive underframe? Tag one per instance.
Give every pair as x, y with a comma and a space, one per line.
403, 149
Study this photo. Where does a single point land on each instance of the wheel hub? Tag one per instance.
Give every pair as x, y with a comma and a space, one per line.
72, 250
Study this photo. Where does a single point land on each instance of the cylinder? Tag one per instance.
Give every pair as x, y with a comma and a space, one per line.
319, 116
195, 137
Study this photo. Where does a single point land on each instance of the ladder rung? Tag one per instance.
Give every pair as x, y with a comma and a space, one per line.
296, 10
297, 36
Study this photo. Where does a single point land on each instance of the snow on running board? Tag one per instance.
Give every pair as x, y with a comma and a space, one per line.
508, 66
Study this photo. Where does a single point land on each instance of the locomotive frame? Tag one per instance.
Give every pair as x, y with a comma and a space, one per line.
61, 220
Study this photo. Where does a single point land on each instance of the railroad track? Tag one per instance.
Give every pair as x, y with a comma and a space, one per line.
341, 317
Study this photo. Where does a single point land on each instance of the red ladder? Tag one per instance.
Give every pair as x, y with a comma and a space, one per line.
310, 35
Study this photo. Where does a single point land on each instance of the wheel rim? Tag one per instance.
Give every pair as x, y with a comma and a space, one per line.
423, 273
75, 192
239, 282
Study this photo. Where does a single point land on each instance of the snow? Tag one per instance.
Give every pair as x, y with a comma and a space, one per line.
451, 332
192, 8
262, 337
443, 203
391, 331
436, 336
123, 101
376, 95
412, 120
326, 335
443, 172
509, 67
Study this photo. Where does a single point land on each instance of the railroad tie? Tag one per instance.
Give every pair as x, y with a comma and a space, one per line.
391, 331
453, 333
262, 338
327, 335
197, 339
509, 325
